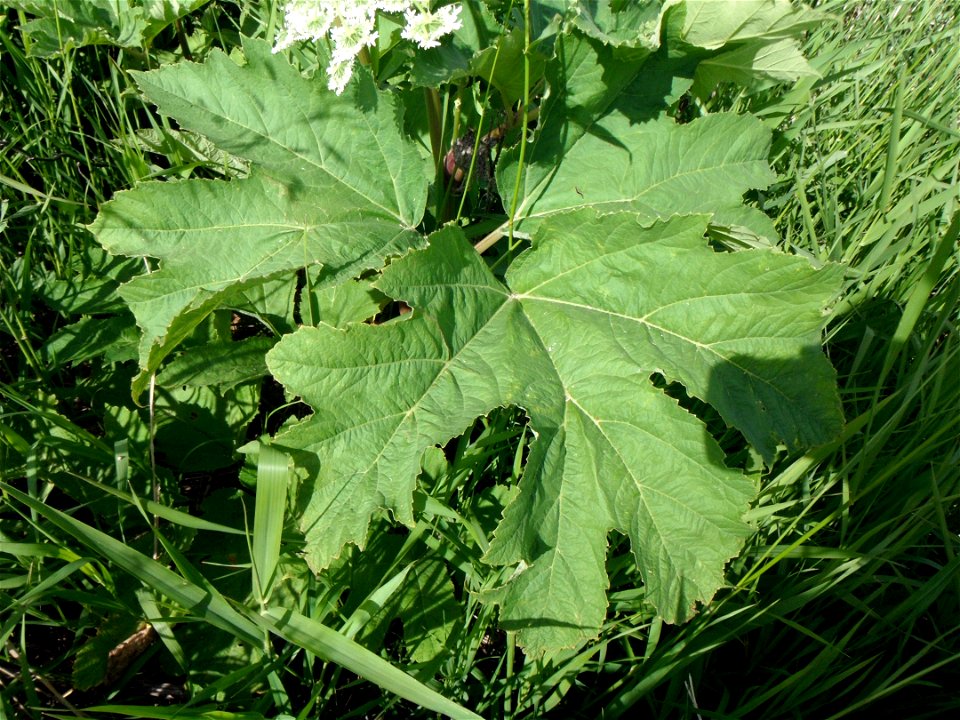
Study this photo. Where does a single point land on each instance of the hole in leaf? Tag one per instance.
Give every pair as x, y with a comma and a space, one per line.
734, 445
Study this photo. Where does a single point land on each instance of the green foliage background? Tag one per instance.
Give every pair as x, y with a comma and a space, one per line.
843, 600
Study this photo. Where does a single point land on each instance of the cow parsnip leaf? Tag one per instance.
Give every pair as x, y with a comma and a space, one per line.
759, 37
618, 23
711, 24
384, 393
63, 26
592, 150
656, 169
598, 305
603, 137
754, 66
334, 183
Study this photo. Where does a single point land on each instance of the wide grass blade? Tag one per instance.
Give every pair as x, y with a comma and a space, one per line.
326, 643
205, 605
171, 713
921, 293
272, 479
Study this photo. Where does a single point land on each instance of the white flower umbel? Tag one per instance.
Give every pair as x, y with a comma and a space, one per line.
305, 20
351, 24
426, 28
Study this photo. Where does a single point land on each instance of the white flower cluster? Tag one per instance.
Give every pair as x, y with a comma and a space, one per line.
351, 26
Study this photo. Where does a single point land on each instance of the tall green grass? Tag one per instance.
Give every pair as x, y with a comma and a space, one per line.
845, 602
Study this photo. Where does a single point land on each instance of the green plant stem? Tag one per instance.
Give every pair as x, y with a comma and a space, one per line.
182, 40
890, 170
511, 656
431, 98
154, 481
920, 295
526, 120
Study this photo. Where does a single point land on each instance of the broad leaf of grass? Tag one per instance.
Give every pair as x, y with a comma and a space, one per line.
272, 481
165, 512
172, 713
328, 644
920, 296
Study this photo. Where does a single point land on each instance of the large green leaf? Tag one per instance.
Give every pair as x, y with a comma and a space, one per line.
603, 136
592, 149
656, 169
758, 38
621, 23
600, 304
711, 24
334, 182
754, 66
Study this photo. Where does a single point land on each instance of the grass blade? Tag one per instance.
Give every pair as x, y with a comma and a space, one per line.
211, 608
326, 643
272, 478
305, 632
